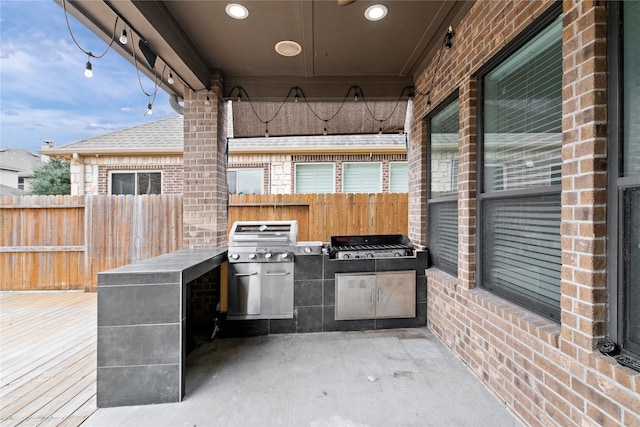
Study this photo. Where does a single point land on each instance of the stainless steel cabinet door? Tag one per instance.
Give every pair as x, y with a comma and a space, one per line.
396, 294
244, 289
277, 290
355, 296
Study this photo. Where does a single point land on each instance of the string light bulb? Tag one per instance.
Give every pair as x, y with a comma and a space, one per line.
266, 130
123, 37
88, 69
149, 110
170, 79
239, 96
324, 132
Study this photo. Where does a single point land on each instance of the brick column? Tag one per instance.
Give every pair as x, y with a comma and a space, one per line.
467, 155
584, 178
417, 160
205, 168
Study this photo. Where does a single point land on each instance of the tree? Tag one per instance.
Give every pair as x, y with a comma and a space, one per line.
52, 178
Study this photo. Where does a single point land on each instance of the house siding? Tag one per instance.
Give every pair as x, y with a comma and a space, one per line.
546, 373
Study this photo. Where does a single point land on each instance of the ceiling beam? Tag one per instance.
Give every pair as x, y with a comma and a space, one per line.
276, 88
173, 44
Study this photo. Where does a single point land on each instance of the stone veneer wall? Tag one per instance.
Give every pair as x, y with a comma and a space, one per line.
90, 174
546, 373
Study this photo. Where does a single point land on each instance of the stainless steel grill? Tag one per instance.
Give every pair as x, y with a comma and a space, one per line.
370, 246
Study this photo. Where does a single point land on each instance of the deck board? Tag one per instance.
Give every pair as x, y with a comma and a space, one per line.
47, 358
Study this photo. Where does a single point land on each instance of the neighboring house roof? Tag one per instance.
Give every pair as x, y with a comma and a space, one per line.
161, 136
167, 136
5, 190
22, 161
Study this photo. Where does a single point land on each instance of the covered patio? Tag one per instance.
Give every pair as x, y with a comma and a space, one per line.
392, 377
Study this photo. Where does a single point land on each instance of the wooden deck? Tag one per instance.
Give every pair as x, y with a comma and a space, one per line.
47, 358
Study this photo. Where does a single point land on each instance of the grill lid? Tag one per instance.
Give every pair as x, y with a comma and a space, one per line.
263, 233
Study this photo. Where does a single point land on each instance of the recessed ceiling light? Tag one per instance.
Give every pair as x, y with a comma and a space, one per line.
376, 12
288, 48
236, 11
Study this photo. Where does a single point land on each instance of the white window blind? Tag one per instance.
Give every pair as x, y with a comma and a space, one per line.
522, 138
361, 177
314, 178
398, 177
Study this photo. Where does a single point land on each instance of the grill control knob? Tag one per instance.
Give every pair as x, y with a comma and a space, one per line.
346, 256
267, 255
307, 250
285, 255
252, 256
369, 255
234, 256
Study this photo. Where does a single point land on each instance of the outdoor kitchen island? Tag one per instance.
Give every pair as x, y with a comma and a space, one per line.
142, 326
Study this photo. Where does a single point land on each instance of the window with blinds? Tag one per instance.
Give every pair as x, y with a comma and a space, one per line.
623, 209
314, 178
442, 203
398, 177
521, 141
362, 177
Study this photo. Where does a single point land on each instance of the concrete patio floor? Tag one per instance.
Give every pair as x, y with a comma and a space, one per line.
399, 377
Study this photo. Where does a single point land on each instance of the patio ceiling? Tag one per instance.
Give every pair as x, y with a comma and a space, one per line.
340, 49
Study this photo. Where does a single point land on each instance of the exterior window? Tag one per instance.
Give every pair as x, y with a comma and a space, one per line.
20, 183
442, 203
244, 181
314, 178
362, 177
520, 255
399, 177
624, 180
136, 183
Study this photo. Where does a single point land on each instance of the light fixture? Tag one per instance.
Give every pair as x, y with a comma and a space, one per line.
324, 132
170, 79
88, 69
288, 48
123, 37
266, 130
448, 37
236, 11
149, 110
376, 12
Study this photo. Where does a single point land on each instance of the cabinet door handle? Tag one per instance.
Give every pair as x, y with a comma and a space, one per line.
373, 301
246, 274
286, 273
379, 293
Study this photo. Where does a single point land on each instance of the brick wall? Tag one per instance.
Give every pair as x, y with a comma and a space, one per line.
546, 373
90, 174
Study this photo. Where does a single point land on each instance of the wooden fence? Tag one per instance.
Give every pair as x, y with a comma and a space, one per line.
321, 216
63, 242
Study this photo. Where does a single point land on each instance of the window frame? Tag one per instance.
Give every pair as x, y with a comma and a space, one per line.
238, 170
405, 162
295, 175
380, 189
135, 172
454, 97
545, 19
616, 186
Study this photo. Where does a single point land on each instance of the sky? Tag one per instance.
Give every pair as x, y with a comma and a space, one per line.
44, 94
